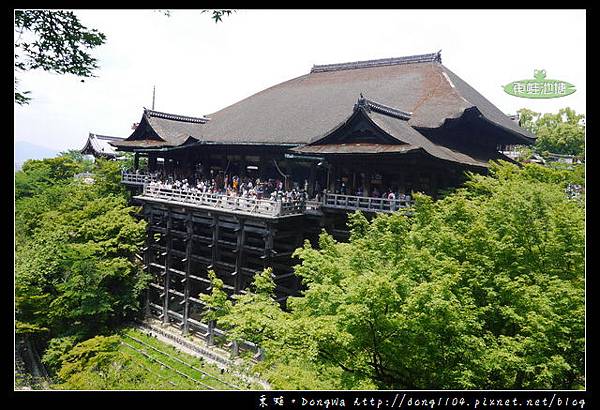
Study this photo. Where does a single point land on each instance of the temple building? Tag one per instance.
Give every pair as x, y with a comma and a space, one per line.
363, 135
99, 146
407, 122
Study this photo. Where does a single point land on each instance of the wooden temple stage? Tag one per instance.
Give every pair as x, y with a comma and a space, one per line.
343, 133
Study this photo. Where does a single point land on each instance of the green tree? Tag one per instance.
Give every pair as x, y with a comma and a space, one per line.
56, 351
240, 321
76, 274
95, 353
55, 41
528, 119
216, 302
560, 133
38, 175
107, 178
87, 165
126, 161
483, 289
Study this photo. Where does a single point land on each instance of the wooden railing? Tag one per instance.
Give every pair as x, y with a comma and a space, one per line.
132, 178
263, 206
231, 203
313, 206
351, 202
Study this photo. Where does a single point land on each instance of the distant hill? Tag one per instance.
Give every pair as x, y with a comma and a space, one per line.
25, 150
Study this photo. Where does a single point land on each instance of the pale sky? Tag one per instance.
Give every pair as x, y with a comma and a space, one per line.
200, 67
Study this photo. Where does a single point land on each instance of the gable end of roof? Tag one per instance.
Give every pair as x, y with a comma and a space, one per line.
370, 105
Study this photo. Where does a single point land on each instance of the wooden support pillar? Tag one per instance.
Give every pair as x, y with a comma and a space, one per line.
210, 340
136, 160
214, 258
188, 267
241, 239
167, 267
152, 163
434, 182
299, 244
262, 168
243, 164
331, 174
311, 180
268, 246
147, 256
215, 240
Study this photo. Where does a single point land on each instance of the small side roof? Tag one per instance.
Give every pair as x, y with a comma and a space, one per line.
394, 123
158, 129
100, 145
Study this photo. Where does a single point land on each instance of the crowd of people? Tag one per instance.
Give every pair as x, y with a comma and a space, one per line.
273, 189
235, 186
387, 193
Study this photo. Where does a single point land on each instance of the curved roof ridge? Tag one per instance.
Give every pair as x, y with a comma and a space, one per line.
105, 137
382, 109
420, 58
175, 117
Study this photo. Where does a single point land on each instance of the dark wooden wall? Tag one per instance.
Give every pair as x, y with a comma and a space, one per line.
184, 243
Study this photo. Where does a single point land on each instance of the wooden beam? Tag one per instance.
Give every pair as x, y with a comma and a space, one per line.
241, 236
167, 265
215, 239
268, 248
147, 259
188, 267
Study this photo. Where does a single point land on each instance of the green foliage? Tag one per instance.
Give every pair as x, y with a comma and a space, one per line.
528, 119
56, 352
55, 41
28, 328
107, 178
127, 161
75, 269
560, 133
217, 302
115, 362
525, 153
483, 289
93, 353
38, 175
99, 364
115, 371
87, 165
254, 314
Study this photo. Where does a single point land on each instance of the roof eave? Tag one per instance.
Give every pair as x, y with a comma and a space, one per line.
526, 140
356, 112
